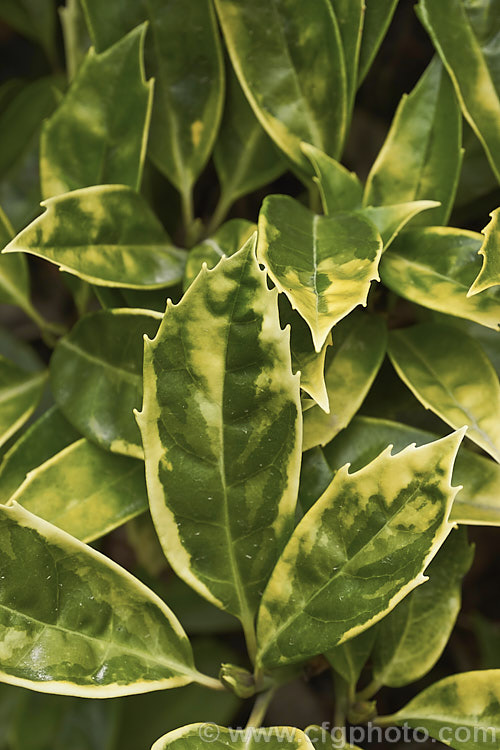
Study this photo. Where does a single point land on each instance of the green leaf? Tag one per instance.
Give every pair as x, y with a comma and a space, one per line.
435, 267
227, 240
14, 279
489, 274
20, 392
359, 344
73, 622
378, 16
450, 373
421, 156
96, 376
221, 434
472, 62
196, 737
35, 19
245, 157
358, 552
315, 476
463, 711
350, 657
107, 235
323, 739
413, 636
293, 79
391, 220
305, 359
340, 189
85, 490
75, 36
477, 503
98, 133
324, 264
350, 16
183, 53
42, 440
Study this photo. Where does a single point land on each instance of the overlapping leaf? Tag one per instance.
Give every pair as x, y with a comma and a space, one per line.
85, 490
470, 53
391, 220
450, 374
357, 552
222, 434
75, 623
106, 235
227, 240
435, 267
20, 392
378, 15
349, 658
96, 376
421, 157
324, 264
340, 189
350, 17
98, 134
294, 80
359, 344
196, 736
489, 274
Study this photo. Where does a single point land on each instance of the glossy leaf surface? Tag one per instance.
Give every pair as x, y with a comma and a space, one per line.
85, 490
75, 623
469, 701
421, 157
357, 552
42, 440
413, 636
98, 134
391, 220
378, 16
14, 280
222, 434
450, 374
324, 265
349, 658
20, 392
96, 376
340, 189
350, 17
489, 274
472, 60
294, 80
359, 344
227, 240
435, 268
119, 241
196, 736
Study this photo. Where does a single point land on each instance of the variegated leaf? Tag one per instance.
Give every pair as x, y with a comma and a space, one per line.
349, 658
435, 267
96, 376
294, 80
357, 552
85, 490
323, 739
477, 503
489, 274
421, 156
350, 16
14, 280
20, 392
324, 264
196, 737
463, 711
471, 58
340, 189
227, 240
378, 15
107, 235
413, 636
42, 440
98, 134
450, 374
73, 622
359, 344
222, 434
391, 220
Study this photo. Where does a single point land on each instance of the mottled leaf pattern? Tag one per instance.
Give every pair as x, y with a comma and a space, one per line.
358, 552
340, 189
489, 274
20, 392
196, 736
227, 240
378, 15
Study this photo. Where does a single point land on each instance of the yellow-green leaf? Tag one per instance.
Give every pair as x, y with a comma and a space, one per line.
435, 267
323, 739
98, 134
73, 622
340, 189
359, 344
197, 736
85, 490
221, 430
489, 274
96, 376
20, 392
357, 552
294, 80
324, 264
107, 235
349, 658
450, 373
462, 711
390, 220
229, 238
378, 15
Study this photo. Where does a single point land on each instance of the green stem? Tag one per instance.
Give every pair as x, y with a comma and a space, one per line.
221, 210
384, 721
250, 639
259, 710
369, 691
209, 682
191, 231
